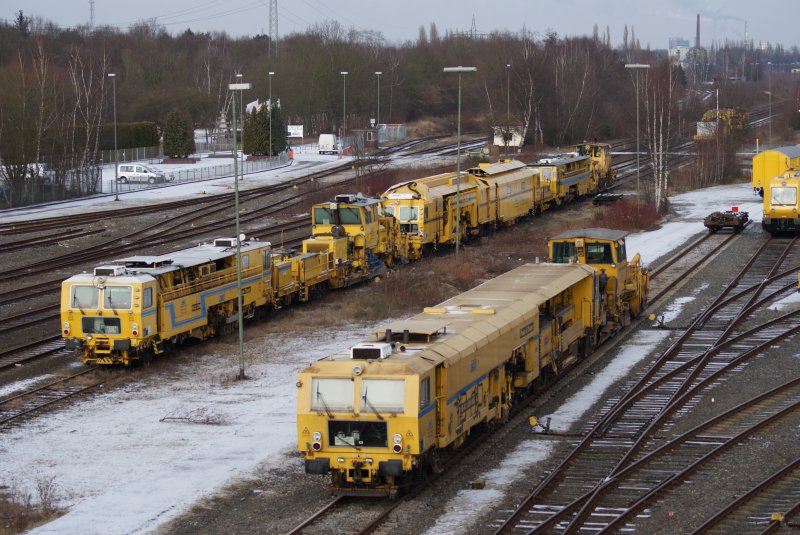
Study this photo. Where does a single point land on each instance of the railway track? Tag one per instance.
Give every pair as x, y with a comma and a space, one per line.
623, 462
680, 266
17, 407
17, 356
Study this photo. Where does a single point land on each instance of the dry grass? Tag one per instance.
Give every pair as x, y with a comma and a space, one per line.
19, 512
625, 215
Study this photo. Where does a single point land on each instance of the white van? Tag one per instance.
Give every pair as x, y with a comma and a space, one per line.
327, 144
136, 173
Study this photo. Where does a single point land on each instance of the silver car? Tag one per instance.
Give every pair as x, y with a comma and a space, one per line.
135, 173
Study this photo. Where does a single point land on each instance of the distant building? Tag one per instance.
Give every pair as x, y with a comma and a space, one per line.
764, 46
679, 49
675, 42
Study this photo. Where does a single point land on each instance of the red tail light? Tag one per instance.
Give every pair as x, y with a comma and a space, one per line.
66, 329
135, 329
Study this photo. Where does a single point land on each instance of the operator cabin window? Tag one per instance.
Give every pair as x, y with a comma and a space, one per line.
598, 253
323, 216
84, 297
117, 297
332, 394
147, 298
783, 196
349, 216
383, 395
425, 393
563, 252
409, 213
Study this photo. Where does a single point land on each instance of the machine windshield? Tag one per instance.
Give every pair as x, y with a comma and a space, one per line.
328, 394
383, 395
783, 196
84, 297
117, 297
598, 253
563, 252
408, 213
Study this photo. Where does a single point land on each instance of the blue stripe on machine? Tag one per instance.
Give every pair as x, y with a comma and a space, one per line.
203, 306
452, 398
427, 409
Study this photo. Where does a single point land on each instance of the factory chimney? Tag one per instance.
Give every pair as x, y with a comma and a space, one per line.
697, 36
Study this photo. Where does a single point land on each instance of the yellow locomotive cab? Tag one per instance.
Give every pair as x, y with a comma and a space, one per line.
623, 283
782, 203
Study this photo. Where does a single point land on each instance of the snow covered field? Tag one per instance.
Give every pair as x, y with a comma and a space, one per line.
119, 469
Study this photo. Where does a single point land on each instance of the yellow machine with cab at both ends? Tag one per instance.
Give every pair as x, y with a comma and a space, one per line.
374, 417
134, 308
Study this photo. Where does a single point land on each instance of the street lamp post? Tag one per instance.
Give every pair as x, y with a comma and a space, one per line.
234, 88
378, 108
508, 105
637, 66
113, 77
344, 106
458, 70
270, 113
241, 114
769, 64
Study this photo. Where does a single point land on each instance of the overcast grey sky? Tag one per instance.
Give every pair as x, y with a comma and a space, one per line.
654, 21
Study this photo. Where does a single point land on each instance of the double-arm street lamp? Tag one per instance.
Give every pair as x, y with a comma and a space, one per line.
113, 77
637, 67
458, 70
234, 88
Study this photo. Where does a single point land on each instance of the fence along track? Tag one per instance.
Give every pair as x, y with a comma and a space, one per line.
625, 425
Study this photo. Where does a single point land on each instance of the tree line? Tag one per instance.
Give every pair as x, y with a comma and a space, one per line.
57, 100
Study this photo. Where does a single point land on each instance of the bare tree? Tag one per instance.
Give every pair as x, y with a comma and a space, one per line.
659, 93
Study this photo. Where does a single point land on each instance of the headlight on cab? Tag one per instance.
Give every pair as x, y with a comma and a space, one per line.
398, 443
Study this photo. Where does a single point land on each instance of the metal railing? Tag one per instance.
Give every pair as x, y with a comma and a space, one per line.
197, 174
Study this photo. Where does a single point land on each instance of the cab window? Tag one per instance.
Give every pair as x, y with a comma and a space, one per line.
84, 297
328, 394
598, 253
563, 252
783, 196
409, 213
117, 297
383, 395
388, 210
323, 216
349, 216
425, 393
147, 298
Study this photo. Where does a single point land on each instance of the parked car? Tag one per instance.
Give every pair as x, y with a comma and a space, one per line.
327, 144
135, 173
